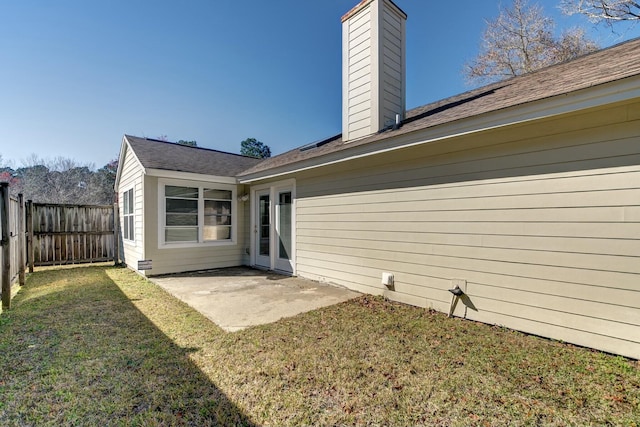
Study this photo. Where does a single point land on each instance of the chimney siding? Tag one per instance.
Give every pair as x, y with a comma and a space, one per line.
373, 67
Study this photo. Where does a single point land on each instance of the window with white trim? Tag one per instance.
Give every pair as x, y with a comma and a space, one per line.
197, 214
217, 214
128, 227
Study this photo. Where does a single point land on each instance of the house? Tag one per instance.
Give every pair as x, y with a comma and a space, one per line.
524, 193
179, 206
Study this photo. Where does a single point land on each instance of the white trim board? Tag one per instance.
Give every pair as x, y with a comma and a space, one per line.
189, 176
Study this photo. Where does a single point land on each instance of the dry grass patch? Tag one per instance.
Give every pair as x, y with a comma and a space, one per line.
102, 346
76, 351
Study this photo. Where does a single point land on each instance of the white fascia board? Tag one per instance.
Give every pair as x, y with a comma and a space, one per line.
597, 96
125, 148
189, 176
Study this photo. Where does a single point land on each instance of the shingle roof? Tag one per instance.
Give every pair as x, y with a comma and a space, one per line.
605, 66
154, 154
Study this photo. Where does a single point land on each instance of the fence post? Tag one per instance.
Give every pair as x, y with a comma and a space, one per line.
6, 246
22, 238
30, 249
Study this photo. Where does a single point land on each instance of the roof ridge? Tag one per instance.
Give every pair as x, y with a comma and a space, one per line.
188, 146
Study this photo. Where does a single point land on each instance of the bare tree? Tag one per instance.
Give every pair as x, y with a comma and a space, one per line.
102, 183
5, 172
63, 180
59, 180
520, 40
571, 44
607, 11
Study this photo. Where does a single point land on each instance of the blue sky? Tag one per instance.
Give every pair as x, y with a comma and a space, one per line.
78, 74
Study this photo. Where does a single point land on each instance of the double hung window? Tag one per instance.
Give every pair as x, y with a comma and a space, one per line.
197, 214
181, 208
217, 214
128, 222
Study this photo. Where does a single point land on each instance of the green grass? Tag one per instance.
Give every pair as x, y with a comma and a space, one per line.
103, 346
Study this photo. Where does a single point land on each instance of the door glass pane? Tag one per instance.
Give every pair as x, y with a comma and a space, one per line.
284, 226
263, 225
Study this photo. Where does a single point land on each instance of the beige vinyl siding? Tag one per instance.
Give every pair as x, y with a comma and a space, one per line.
358, 79
392, 68
373, 69
542, 221
199, 257
131, 177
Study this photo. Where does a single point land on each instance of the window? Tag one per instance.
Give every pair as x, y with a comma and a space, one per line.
181, 208
217, 214
197, 214
128, 226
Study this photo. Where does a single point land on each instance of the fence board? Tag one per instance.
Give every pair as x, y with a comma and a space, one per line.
72, 234
12, 242
5, 240
14, 235
22, 242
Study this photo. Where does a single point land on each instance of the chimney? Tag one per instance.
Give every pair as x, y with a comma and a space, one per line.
373, 68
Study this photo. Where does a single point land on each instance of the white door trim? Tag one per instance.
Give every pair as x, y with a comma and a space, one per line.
274, 188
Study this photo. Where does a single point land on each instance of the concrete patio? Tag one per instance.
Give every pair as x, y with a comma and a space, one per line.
240, 297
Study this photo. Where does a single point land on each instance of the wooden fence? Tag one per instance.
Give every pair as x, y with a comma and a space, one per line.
70, 234
12, 241
48, 234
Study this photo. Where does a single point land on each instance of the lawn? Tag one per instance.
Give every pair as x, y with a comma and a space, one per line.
103, 346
